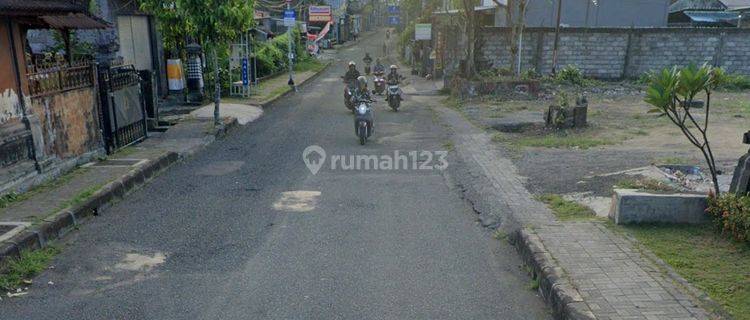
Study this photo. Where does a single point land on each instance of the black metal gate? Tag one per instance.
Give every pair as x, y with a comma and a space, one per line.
123, 111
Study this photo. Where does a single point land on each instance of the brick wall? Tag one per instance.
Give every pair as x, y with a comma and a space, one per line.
613, 53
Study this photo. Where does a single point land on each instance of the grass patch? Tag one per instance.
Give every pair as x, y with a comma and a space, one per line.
81, 197
309, 65
645, 184
670, 160
453, 102
500, 235
10, 198
566, 210
562, 141
717, 266
30, 264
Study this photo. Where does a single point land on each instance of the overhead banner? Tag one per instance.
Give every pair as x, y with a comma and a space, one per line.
422, 31
320, 14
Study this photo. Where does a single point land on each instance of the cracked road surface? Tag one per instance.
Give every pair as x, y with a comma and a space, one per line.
243, 230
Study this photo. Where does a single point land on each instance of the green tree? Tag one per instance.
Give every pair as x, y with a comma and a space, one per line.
673, 93
213, 22
172, 27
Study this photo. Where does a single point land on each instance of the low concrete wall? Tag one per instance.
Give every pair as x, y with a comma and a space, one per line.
69, 122
633, 206
615, 53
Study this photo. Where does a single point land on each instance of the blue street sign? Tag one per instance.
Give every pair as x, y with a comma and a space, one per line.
290, 18
394, 20
245, 77
393, 9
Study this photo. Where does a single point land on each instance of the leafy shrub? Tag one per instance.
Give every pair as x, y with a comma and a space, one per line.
530, 74
272, 54
645, 78
731, 214
570, 74
735, 82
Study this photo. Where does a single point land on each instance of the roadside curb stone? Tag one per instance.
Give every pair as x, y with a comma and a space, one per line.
58, 224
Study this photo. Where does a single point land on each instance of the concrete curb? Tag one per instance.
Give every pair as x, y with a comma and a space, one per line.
298, 86
65, 220
556, 290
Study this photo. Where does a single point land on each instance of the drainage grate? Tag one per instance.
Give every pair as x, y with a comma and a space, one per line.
10, 229
118, 163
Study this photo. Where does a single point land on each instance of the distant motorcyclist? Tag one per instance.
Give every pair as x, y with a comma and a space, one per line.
367, 59
379, 67
393, 77
351, 74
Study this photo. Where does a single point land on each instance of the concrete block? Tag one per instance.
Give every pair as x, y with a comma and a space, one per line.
634, 206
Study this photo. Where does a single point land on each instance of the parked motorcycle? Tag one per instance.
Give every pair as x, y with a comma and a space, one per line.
394, 97
363, 121
379, 82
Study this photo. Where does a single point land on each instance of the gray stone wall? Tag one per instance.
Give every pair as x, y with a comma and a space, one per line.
615, 53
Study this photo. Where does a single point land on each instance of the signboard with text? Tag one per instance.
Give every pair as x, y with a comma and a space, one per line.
320, 14
394, 20
290, 18
422, 31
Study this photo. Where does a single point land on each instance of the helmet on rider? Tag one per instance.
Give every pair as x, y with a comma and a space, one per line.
394, 67
362, 83
352, 64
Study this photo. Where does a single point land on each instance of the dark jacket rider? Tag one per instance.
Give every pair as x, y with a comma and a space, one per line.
393, 77
351, 74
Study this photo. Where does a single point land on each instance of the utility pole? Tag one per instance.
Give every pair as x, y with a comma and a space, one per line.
557, 38
291, 60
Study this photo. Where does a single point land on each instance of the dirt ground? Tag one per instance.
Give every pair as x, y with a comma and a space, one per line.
621, 135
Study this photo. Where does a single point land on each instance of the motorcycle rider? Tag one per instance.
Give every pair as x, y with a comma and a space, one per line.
351, 75
393, 77
368, 61
361, 93
379, 67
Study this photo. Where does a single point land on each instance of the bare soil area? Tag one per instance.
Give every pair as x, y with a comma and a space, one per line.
621, 135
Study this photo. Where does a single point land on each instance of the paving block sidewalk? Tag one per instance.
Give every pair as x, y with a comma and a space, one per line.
587, 271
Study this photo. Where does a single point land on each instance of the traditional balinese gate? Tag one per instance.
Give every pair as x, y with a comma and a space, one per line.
123, 111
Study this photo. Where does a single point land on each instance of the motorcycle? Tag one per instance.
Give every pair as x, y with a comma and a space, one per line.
394, 97
363, 120
379, 82
348, 93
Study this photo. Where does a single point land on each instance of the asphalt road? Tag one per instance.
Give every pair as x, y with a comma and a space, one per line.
243, 230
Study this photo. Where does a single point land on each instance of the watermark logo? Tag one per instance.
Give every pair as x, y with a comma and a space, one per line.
315, 158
